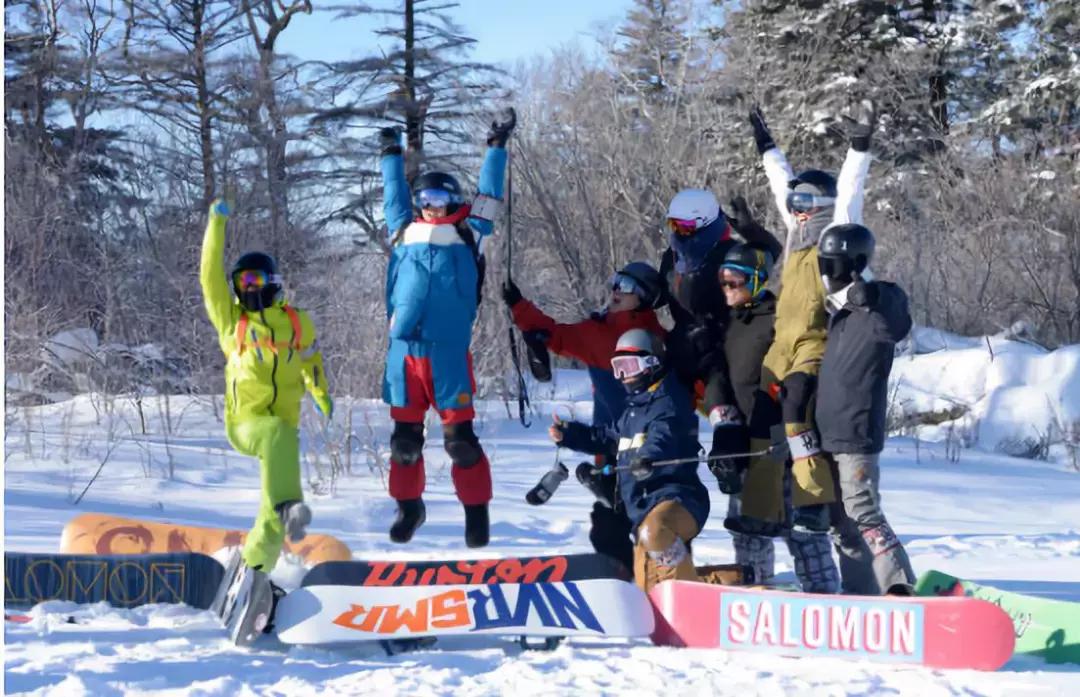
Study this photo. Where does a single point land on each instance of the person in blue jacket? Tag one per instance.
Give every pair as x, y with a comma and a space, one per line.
433, 285
667, 504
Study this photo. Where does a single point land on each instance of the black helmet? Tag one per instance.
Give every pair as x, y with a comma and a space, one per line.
638, 359
814, 181
437, 181
264, 296
753, 262
843, 252
645, 283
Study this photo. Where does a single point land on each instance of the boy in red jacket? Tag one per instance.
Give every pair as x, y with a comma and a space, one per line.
636, 291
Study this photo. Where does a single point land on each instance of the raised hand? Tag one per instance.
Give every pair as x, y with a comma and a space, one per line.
762, 138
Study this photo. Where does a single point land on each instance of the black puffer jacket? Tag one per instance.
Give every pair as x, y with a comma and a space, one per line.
853, 383
749, 335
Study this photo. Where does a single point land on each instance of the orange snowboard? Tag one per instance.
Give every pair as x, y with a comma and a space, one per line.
98, 533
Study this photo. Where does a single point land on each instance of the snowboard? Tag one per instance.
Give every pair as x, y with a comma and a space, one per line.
1042, 627
328, 614
122, 580
934, 632
98, 533
550, 569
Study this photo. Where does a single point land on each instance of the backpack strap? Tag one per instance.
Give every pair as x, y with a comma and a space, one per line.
297, 329
241, 332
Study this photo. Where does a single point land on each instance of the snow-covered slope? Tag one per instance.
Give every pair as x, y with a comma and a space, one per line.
1009, 522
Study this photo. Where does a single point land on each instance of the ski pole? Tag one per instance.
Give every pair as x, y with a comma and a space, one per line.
608, 469
523, 391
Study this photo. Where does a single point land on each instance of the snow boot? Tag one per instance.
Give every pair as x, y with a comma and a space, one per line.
547, 485
411, 514
813, 520
901, 589
295, 516
476, 525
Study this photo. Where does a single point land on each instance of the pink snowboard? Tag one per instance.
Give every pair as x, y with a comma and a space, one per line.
936, 632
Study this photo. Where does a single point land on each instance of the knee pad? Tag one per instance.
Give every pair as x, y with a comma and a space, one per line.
406, 442
797, 395
461, 444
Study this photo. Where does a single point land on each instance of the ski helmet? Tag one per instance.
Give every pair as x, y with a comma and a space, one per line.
641, 279
844, 251
691, 210
638, 359
753, 262
814, 181
256, 280
437, 190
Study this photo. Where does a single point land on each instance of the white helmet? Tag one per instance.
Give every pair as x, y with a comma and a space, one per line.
695, 204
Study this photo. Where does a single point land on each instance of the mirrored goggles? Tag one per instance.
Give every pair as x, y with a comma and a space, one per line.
625, 284
631, 366
804, 201
254, 279
682, 226
433, 198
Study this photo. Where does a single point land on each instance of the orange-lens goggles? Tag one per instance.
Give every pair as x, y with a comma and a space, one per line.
682, 227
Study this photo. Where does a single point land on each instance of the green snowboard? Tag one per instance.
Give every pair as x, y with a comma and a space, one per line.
1046, 628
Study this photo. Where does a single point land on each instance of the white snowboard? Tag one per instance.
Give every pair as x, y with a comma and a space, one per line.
335, 614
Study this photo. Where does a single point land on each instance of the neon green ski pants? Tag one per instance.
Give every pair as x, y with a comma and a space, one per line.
277, 445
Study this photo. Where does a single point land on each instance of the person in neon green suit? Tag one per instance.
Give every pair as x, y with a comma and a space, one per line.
271, 360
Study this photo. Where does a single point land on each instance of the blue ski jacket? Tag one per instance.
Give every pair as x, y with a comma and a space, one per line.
431, 284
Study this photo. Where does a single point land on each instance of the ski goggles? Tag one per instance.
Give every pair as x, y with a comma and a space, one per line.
254, 279
836, 268
433, 198
683, 226
804, 201
626, 284
631, 366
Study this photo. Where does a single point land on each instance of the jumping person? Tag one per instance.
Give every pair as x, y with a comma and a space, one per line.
432, 293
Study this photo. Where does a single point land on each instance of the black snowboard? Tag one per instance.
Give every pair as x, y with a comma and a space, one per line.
122, 580
550, 569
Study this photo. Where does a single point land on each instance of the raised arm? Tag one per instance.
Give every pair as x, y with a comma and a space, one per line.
493, 171
851, 185
217, 296
777, 169
397, 199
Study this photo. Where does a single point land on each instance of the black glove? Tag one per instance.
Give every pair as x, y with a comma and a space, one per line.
762, 137
641, 468
863, 294
501, 126
729, 440
511, 293
740, 217
390, 140
537, 353
861, 127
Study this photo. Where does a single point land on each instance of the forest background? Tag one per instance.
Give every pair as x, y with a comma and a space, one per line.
124, 119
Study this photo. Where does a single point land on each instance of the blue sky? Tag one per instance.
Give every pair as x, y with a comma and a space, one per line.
505, 30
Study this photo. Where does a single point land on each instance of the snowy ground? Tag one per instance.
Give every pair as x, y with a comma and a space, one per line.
1008, 522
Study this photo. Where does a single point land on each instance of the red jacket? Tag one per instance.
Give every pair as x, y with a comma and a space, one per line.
590, 341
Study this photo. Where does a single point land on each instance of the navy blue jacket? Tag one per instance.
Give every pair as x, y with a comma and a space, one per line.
658, 424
